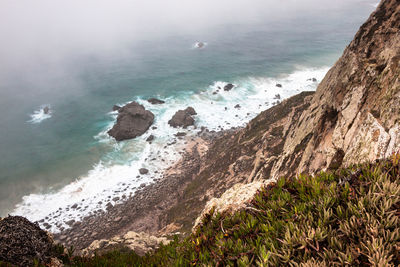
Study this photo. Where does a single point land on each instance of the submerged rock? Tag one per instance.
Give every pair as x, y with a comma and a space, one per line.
155, 101
46, 110
133, 120
183, 118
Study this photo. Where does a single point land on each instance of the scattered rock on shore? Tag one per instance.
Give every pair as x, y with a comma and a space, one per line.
133, 120
279, 85
180, 134
150, 138
183, 118
143, 171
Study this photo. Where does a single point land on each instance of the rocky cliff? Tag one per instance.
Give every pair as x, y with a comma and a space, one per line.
353, 115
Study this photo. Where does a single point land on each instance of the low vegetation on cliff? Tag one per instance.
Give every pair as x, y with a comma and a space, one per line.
350, 216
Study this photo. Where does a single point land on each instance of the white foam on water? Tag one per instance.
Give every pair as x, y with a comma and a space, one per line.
199, 45
117, 175
39, 115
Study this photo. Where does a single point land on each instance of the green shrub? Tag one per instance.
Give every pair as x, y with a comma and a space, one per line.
346, 217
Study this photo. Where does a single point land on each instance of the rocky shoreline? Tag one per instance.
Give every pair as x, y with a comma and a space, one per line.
148, 209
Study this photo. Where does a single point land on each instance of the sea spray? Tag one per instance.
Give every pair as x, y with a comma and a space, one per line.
44, 112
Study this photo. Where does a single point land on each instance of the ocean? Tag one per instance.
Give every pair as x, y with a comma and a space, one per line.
51, 161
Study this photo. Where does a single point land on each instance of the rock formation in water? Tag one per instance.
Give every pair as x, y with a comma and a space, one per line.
228, 87
133, 120
183, 118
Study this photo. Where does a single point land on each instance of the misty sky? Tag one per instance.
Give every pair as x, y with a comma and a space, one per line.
50, 30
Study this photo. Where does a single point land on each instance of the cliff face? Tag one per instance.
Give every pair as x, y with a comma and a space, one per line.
355, 112
353, 115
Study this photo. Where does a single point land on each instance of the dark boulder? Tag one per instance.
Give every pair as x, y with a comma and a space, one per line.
180, 134
277, 96
133, 120
22, 242
155, 101
237, 106
279, 85
183, 118
143, 171
46, 110
228, 87
150, 138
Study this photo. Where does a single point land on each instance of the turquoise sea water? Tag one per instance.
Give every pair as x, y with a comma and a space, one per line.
52, 162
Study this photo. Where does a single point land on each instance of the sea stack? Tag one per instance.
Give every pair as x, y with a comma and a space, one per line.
133, 120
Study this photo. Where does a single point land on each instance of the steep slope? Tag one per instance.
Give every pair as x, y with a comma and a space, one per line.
354, 115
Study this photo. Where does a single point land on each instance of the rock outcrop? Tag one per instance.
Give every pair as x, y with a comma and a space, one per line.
354, 113
183, 118
235, 198
133, 120
22, 241
141, 243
